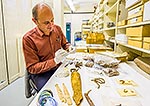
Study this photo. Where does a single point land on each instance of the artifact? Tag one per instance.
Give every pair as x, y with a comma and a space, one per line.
111, 72
60, 93
62, 74
67, 95
88, 58
78, 64
126, 82
98, 81
127, 92
76, 86
88, 98
89, 64
73, 69
113, 64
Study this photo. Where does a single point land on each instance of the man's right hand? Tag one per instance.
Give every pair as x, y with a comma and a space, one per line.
60, 55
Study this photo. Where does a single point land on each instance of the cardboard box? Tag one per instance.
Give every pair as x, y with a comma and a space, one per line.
135, 43
135, 20
138, 38
100, 38
95, 38
146, 14
146, 44
81, 49
147, 39
138, 31
122, 23
136, 12
98, 49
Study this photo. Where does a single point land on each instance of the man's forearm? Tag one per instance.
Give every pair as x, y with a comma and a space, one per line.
42, 67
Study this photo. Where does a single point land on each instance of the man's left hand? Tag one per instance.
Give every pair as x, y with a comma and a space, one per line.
72, 49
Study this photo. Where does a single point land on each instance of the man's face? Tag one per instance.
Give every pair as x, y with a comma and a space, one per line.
45, 20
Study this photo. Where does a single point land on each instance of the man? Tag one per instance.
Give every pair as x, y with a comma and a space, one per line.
41, 43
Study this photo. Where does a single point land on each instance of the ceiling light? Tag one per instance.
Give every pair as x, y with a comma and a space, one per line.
70, 4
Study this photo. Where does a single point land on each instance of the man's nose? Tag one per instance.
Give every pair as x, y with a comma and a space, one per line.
50, 24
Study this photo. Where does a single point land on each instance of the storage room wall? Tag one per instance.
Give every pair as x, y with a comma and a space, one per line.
17, 20
3, 70
76, 22
58, 9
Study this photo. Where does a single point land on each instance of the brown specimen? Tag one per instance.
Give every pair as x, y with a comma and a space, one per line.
88, 98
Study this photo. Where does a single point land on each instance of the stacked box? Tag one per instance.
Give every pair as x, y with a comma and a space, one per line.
135, 42
122, 23
81, 49
146, 43
135, 15
100, 38
139, 31
136, 35
95, 38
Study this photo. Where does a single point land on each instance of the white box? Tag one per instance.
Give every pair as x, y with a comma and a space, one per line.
146, 15
135, 12
130, 3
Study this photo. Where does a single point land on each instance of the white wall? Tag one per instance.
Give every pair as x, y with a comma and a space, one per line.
58, 6
3, 70
17, 21
76, 22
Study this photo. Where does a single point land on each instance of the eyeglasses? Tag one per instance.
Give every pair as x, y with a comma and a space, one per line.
47, 22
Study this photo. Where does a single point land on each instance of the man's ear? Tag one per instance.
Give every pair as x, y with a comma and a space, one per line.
34, 20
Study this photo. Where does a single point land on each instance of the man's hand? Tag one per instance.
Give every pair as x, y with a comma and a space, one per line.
60, 56
71, 49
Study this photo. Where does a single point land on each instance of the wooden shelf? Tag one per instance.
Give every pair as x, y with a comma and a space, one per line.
86, 26
102, 22
112, 9
111, 2
107, 29
135, 48
102, 7
112, 41
129, 46
137, 24
108, 12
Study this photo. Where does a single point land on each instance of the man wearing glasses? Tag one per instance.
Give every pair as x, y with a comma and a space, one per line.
44, 46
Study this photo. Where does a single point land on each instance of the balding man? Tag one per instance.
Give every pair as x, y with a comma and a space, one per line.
41, 43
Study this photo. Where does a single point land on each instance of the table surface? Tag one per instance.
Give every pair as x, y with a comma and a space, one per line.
107, 94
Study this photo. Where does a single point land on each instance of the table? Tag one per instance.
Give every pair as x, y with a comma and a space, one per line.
107, 94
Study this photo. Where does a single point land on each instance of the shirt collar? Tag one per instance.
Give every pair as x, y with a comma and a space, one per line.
41, 33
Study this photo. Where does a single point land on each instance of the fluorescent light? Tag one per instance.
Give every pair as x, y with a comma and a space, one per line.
70, 4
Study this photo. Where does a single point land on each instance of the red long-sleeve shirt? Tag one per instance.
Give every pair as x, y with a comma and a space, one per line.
39, 49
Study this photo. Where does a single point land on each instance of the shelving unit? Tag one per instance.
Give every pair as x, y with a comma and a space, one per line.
114, 11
